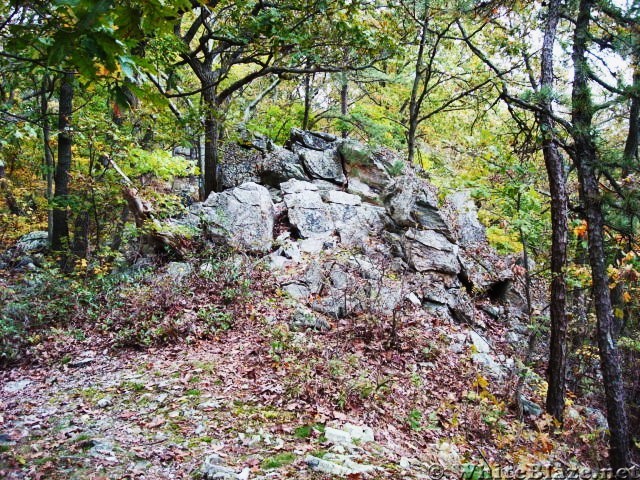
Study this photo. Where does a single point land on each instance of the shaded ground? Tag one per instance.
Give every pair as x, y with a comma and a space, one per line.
260, 396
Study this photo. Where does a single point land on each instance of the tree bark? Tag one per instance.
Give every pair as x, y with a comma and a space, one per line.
307, 101
48, 155
414, 100
344, 103
587, 162
633, 134
211, 138
81, 235
557, 186
60, 222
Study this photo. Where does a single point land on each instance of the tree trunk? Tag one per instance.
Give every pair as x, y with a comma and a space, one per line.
211, 139
60, 224
307, 101
586, 163
557, 186
5, 188
414, 100
48, 155
633, 135
81, 235
344, 103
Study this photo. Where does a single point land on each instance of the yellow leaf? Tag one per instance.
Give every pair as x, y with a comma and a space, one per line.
580, 230
481, 382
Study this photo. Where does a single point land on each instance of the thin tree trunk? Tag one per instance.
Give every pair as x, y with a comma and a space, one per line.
5, 189
557, 186
211, 140
60, 229
414, 103
116, 240
48, 154
344, 103
633, 135
81, 235
586, 162
308, 84
250, 109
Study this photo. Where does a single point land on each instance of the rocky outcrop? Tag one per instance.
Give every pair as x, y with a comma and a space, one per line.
353, 237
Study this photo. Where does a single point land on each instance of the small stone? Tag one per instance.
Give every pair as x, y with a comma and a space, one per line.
479, 343
313, 245
80, 362
244, 474
448, 454
178, 270
489, 364
17, 386
530, 408
413, 298
335, 464
305, 319
361, 433
104, 402
297, 291
324, 466
492, 310
336, 436
212, 468
161, 398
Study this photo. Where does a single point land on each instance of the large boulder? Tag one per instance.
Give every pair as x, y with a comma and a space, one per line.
323, 164
367, 170
308, 214
428, 250
281, 165
313, 140
33, 242
352, 219
242, 217
412, 202
238, 165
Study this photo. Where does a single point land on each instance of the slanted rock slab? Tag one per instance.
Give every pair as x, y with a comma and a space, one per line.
428, 250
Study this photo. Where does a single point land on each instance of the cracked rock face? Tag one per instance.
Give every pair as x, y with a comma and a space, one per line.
308, 214
242, 217
429, 250
411, 203
323, 165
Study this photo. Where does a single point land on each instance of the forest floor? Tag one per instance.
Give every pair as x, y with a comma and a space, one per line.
262, 402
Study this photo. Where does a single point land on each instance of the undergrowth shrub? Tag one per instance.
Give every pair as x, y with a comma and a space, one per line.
200, 305
131, 306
